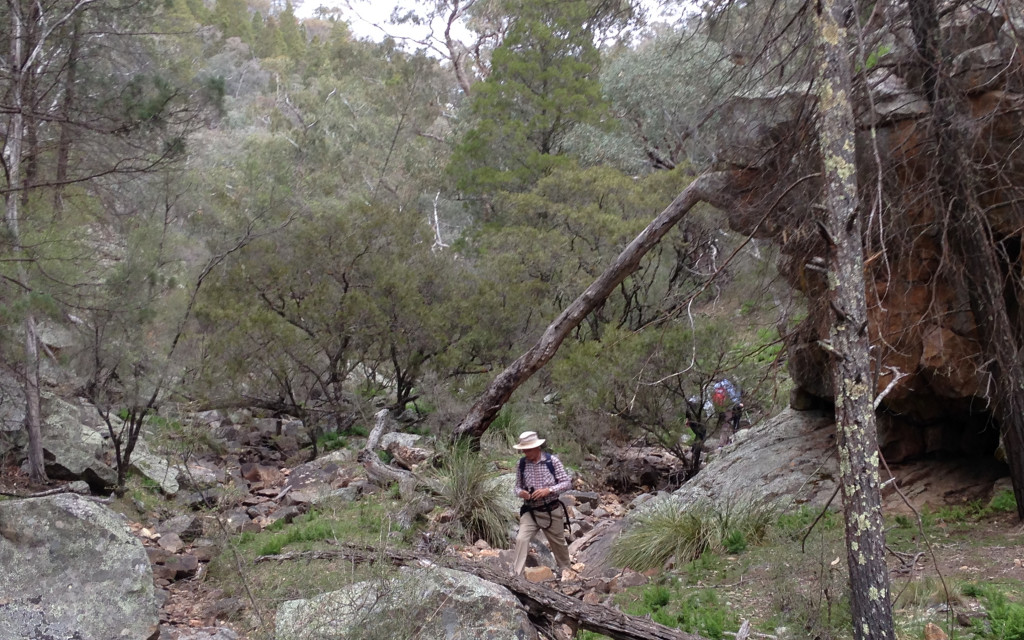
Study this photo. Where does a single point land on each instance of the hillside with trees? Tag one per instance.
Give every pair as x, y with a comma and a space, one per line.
567, 216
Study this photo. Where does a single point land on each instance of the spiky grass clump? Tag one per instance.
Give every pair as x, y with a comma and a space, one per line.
480, 504
505, 429
670, 531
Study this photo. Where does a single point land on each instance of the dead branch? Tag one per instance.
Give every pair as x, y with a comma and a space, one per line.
380, 474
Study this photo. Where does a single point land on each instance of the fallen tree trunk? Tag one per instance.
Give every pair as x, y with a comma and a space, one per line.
710, 187
377, 472
540, 601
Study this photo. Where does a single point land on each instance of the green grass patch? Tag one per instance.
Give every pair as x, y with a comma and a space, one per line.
669, 531
794, 524
696, 611
1005, 617
1003, 502
331, 441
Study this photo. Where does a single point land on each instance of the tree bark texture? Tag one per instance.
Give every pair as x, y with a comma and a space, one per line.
972, 241
540, 601
710, 187
854, 386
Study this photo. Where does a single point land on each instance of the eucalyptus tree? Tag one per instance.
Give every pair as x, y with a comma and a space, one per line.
662, 92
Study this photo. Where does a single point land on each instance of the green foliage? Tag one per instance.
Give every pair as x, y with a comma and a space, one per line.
385, 456
656, 596
482, 506
353, 523
312, 530
702, 613
506, 427
735, 542
1003, 502
698, 611
331, 441
657, 91
543, 79
1005, 617
667, 531
794, 524
875, 56
920, 592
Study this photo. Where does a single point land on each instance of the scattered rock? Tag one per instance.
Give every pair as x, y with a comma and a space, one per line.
171, 543
538, 574
934, 632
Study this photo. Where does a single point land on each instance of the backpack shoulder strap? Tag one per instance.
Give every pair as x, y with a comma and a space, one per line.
522, 472
551, 465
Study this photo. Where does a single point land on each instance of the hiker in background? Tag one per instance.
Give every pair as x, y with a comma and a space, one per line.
726, 402
540, 478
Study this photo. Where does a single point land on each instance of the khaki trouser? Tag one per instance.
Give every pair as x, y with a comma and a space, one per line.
552, 524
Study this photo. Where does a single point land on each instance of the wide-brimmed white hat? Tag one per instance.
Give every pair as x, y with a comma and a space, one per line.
528, 440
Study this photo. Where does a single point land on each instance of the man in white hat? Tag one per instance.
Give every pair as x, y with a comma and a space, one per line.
540, 478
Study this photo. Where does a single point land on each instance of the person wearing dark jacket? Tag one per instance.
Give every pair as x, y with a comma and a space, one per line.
540, 479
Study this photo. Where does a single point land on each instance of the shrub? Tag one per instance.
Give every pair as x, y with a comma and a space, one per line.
506, 427
735, 542
656, 596
701, 613
1005, 618
1003, 502
467, 485
331, 441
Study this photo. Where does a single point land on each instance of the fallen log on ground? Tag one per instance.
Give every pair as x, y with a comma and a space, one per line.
380, 474
540, 601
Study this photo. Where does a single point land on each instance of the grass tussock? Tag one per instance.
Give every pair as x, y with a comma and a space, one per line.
480, 505
668, 531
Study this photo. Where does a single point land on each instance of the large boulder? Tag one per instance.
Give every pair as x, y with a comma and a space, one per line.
156, 468
788, 455
73, 571
72, 450
429, 604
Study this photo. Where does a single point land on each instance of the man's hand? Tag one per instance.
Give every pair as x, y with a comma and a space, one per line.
525, 495
540, 493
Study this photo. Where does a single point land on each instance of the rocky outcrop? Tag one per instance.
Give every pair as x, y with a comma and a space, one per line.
72, 571
792, 456
432, 604
73, 450
924, 336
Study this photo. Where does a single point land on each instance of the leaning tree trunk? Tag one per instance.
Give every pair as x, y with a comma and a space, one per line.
710, 187
973, 242
851, 362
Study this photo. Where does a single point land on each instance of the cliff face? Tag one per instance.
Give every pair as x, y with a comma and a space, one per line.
922, 329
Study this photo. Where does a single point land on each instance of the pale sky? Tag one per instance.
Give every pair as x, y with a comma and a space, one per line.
368, 18
371, 18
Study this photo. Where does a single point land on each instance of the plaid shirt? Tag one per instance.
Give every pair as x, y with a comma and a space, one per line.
537, 476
